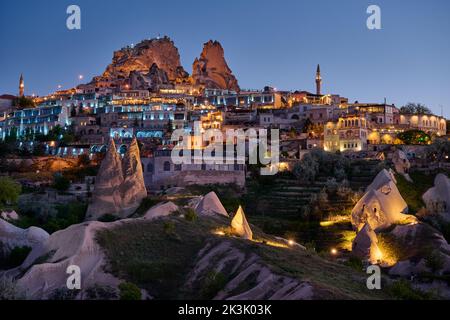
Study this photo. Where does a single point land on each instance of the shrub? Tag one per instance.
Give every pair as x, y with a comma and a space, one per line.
146, 204
169, 227
129, 291
63, 294
15, 258
190, 215
434, 261
61, 183
9, 190
9, 290
355, 263
97, 292
403, 290
214, 282
108, 218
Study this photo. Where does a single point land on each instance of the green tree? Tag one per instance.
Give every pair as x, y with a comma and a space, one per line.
414, 137
9, 190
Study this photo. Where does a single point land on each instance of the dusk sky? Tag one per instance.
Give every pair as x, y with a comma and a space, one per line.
277, 43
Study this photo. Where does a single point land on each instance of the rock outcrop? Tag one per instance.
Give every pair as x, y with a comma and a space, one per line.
437, 198
132, 188
12, 237
240, 225
119, 185
140, 59
161, 210
401, 162
417, 243
365, 246
381, 205
75, 245
9, 215
210, 205
247, 268
211, 69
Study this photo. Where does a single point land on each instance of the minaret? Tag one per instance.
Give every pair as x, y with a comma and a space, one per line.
21, 86
318, 81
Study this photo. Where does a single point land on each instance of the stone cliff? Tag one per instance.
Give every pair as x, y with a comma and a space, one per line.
140, 59
119, 185
155, 64
211, 69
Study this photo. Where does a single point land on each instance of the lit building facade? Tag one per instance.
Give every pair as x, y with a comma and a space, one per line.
35, 120
349, 133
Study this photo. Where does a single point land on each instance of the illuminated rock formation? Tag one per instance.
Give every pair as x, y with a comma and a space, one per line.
240, 225
400, 161
437, 198
140, 59
382, 205
211, 69
210, 205
119, 185
365, 246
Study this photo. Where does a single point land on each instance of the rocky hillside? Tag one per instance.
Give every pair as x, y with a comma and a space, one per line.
141, 57
211, 69
155, 64
174, 258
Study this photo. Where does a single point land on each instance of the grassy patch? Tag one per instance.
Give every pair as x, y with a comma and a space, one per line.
412, 192
155, 255
67, 215
159, 258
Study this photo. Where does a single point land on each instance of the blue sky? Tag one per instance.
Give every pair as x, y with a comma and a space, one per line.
277, 43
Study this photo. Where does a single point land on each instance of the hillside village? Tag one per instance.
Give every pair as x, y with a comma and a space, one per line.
87, 178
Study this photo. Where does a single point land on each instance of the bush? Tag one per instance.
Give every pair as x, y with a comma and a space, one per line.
67, 215
15, 258
214, 282
129, 291
355, 263
169, 227
434, 261
61, 183
403, 290
108, 218
63, 294
9, 290
190, 215
146, 204
98, 292
9, 190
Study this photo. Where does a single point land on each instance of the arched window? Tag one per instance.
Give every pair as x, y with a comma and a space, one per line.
167, 166
150, 167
